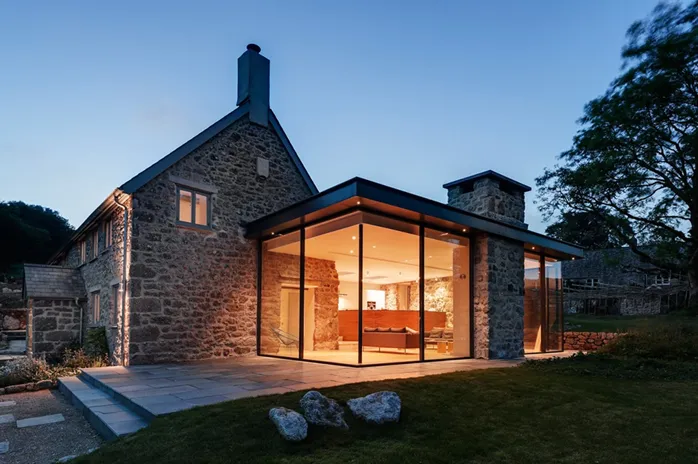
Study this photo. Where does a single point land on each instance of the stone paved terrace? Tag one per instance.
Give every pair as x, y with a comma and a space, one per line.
162, 389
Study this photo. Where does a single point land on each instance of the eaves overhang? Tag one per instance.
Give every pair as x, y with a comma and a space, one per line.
366, 195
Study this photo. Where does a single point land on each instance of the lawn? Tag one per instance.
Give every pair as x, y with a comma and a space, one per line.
590, 323
527, 414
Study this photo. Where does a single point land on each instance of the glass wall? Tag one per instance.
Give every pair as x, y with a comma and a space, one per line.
332, 291
280, 302
390, 281
553, 279
355, 296
533, 299
446, 295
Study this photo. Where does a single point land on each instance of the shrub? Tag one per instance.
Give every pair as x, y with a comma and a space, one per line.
78, 359
670, 342
96, 343
25, 370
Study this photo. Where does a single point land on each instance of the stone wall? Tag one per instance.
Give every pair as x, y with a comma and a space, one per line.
55, 324
321, 278
193, 292
587, 341
498, 274
487, 199
101, 274
438, 296
13, 312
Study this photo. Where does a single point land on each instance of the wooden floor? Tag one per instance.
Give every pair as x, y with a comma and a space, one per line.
349, 355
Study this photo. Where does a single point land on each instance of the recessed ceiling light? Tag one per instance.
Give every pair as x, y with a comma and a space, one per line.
272, 233
353, 237
351, 251
430, 256
358, 202
374, 246
464, 230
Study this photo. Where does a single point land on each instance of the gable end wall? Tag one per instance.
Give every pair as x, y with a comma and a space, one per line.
193, 292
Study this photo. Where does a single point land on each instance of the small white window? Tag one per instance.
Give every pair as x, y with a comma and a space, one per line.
95, 307
193, 208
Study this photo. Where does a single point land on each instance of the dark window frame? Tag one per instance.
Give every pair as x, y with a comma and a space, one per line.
94, 249
96, 307
194, 194
108, 227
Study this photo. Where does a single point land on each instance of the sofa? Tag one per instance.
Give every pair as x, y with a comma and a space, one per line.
436, 335
390, 337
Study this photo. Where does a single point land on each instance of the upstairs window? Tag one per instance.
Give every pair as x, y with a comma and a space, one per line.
108, 237
82, 247
193, 208
94, 296
94, 249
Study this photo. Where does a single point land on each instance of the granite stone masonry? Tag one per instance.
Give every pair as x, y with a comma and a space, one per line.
102, 274
193, 291
486, 198
279, 270
588, 341
498, 276
55, 324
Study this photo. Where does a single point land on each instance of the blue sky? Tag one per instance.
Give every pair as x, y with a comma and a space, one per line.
409, 94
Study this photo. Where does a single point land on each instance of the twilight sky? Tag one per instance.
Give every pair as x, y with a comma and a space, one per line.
409, 94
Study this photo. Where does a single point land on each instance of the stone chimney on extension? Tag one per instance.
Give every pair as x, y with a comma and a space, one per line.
492, 195
253, 84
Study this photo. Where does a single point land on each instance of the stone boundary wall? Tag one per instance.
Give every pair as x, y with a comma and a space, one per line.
55, 324
588, 341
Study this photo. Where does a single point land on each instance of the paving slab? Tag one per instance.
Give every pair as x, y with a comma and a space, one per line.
4, 447
41, 420
7, 404
7, 418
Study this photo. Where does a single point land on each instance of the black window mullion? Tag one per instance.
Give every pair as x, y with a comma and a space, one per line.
301, 298
421, 292
193, 207
361, 293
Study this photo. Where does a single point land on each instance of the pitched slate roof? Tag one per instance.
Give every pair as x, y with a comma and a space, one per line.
217, 127
45, 281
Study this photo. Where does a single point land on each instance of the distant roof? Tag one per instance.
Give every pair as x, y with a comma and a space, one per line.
505, 182
45, 281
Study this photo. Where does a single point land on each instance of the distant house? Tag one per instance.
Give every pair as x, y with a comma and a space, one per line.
616, 282
225, 247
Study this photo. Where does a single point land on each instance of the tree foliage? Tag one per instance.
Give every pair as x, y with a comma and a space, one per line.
29, 234
584, 229
632, 165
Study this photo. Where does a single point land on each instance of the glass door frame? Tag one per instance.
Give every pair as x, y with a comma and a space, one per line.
543, 305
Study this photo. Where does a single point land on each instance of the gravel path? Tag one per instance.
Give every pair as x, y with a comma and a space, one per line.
44, 444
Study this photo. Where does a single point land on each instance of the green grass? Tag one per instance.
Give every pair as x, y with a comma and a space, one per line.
537, 413
589, 323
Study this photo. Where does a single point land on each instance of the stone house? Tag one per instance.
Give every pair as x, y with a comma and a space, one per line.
616, 282
225, 247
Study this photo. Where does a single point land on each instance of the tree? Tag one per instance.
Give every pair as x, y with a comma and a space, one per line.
632, 164
29, 234
583, 229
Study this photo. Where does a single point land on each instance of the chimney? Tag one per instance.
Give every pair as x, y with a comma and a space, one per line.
253, 84
492, 195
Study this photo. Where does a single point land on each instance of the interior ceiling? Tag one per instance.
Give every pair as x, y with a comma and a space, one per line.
390, 256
